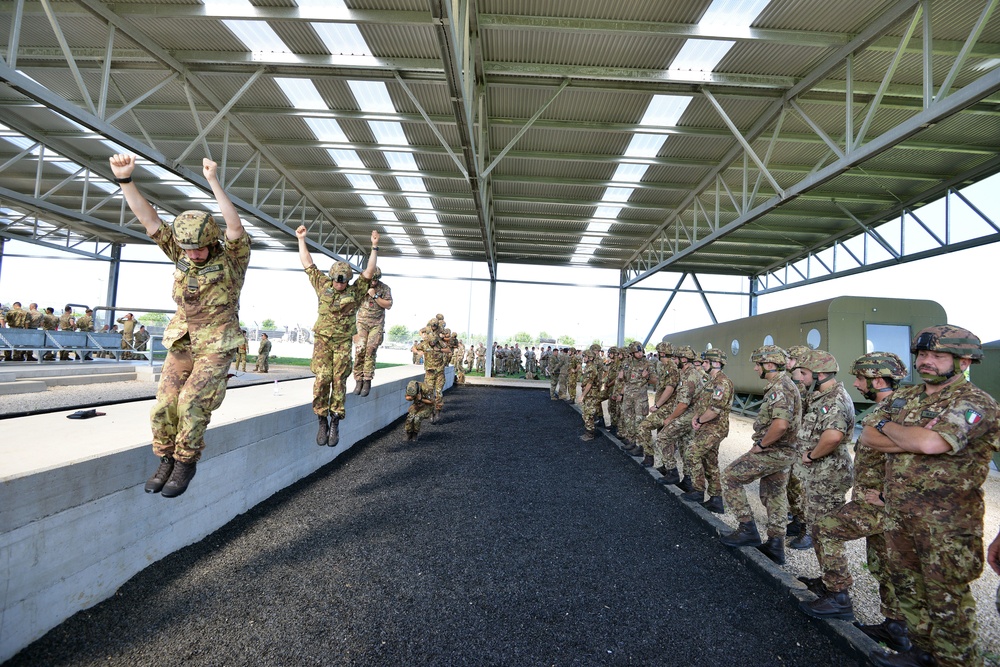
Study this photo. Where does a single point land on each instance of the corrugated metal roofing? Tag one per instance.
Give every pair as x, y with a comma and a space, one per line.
557, 173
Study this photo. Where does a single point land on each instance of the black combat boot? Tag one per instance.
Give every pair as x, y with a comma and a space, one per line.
647, 460
323, 433
334, 437
745, 535
411, 436
181, 476
835, 604
162, 474
913, 657
774, 549
685, 485
357, 385
366, 387
670, 477
890, 632
714, 504
694, 495
588, 436
815, 585
794, 527
802, 541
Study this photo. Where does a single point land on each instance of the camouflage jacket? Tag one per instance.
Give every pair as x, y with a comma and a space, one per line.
830, 410
434, 354
667, 375
264, 348
35, 318
66, 322
207, 296
869, 464
50, 322
781, 401
85, 323
335, 319
635, 373
717, 396
947, 487
688, 387
128, 327
17, 318
370, 313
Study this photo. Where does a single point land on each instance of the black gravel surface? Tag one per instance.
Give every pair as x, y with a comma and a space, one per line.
498, 538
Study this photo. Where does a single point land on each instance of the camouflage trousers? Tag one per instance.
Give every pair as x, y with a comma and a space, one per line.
771, 468
853, 521
563, 389
591, 408
434, 379
480, 365
459, 373
644, 438
673, 438
825, 482
415, 414
932, 564
635, 407
554, 386
263, 364
573, 381
191, 387
241, 361
794, 492
331, 362
701, 457
366, 343
126, 345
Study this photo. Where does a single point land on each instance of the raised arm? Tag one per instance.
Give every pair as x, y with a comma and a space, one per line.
304, 255
234, 226
369, 271
122, 166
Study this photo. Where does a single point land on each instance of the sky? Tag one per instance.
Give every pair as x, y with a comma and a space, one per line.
576, 301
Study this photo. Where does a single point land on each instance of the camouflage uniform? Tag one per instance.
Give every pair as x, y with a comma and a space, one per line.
573, 374
856, 519
667, 375
470, 358
65, 324
564, 364
421, 408
635, 395
201, 341
701, 456
781, 401
612, 388
555, 360
85, 323
592, 401
434, 363
263, 364
672, 438
241, 353
456, 360
17, 318
826, 480
335, 327
935, 509
481, 358
371, 332
128, 335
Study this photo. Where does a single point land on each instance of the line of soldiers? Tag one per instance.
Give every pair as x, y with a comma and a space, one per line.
17, 317
916, 474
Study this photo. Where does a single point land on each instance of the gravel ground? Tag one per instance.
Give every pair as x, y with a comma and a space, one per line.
498, 538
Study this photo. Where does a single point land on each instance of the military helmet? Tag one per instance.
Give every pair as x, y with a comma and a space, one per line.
796, 351
341, 272
879, 365
664, 348
686, 351
770, 354
817, 361
945, 338
195, 229
715, 354
595, 348
589, 355
411, 388
378, 274
636, 346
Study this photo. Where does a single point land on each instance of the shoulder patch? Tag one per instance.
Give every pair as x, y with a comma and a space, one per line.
972, 417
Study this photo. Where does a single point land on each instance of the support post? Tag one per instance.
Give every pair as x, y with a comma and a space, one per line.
489, 328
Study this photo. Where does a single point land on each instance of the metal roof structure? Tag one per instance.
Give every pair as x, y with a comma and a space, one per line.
740, 137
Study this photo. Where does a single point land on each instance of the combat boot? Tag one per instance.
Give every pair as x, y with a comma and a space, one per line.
334, 436
647, 460
815, 585
801, 541
411, 436
694, 495
670, 477
913, 657
366, 387
685, 485
714, 505
890, 632
181, 476
357, 385
588, 436
162, 474
774, 549
794, 527
744, 536
323, 433
835, 604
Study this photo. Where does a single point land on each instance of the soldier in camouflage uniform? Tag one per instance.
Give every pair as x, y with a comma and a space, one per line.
241, 352
202, 336
939, 437
590, 398
49, 323
675, 429
876, 376
635, 375
481, 358
553, 364
263, 364
434, 348
710, 425
773, 451
421, 407
470, 358
796, 527
336, 324
16, 318
371, 332
456, 360
828, 471
611, 388
66, 323
575, 366
667, 377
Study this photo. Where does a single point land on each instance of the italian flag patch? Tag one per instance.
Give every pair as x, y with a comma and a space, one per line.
972, 417
824, 410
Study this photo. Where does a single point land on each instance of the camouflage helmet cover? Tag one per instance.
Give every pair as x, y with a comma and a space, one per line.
195, 229
378, 274
636, 347
817, 361
796, 351
960, 342
341, 270
595, 348
686, 351
665, 348
589, 355
770, 354
879, 365
411, 388
714, 354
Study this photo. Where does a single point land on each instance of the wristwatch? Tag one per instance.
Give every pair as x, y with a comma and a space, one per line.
881, 425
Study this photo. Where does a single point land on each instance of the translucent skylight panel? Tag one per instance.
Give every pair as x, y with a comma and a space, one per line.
599, 227
426, 217
386, 216
327, 8
388, 133
410, 184
21, 142
326, 129
665, 110
607, 211
372, 96
342, 39
629, 173
191, 191
346, 159
433, 231
645, 145
362, 182
401, 161
394, 230
419, 202
733, 13
160, 173
257, 36
700, 55
617, 194
375, 200
301, 93
115, 148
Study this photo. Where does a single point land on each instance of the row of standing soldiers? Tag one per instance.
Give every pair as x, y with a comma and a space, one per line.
17, 318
